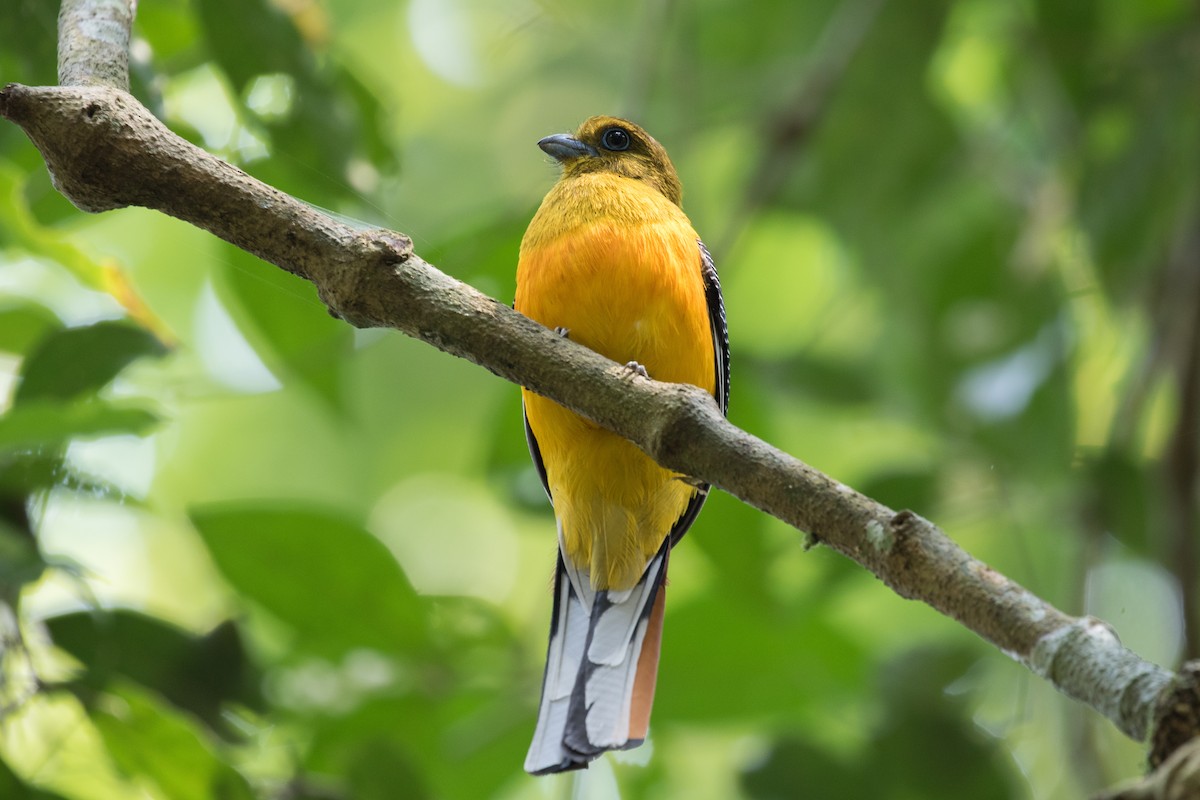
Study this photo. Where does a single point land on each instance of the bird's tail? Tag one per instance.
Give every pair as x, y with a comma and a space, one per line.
601, 667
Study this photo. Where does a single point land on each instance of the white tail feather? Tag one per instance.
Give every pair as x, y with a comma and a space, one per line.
592, 668
613, 629
568, 636
609, 695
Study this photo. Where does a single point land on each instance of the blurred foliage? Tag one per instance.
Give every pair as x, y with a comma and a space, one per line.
246, 551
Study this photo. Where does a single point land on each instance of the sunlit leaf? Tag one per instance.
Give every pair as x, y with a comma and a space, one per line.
13, 788
23, 325
40, 424
288, 326
20, 194
149, 741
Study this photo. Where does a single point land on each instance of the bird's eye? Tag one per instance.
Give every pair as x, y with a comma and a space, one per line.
616, 139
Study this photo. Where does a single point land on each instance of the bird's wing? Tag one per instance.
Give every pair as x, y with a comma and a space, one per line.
535, 453
716, 321
720, 336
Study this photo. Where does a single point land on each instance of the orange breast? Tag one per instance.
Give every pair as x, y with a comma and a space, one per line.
623, 277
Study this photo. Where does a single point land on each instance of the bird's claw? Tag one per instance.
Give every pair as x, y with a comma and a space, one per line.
634, 368
563, 332
699, 485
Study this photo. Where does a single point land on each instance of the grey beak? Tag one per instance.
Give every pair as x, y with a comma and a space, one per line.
565, 147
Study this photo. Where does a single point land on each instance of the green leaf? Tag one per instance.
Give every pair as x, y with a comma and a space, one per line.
77, 361
151, 742
1139, 185
1067, 34
859, 192
509, 464
13, 788
794, 761
198, 674
474, 251
20, 561
1124, 495
336, 585
480, 744
28, 35
251, 37
902, 488
25, 473
742, 559
917, 718
719, 635
45, 208
172, 30
378, 767
53, 424
327, 106
285, 322
917, 709
23, 325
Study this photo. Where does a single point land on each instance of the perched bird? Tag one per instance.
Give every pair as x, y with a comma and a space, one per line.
611, 261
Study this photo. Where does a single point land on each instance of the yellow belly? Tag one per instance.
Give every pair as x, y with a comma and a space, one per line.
631, 290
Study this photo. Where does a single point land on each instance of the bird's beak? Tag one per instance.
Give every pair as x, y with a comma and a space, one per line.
565, 147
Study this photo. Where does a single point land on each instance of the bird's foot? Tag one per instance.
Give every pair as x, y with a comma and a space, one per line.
634, 368
563, 332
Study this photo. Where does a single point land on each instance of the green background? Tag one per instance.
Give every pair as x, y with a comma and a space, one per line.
256, 553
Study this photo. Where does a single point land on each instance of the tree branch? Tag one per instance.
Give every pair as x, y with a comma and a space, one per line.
106, 151
93, 42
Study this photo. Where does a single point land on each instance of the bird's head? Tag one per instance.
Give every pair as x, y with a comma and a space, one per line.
611, 144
